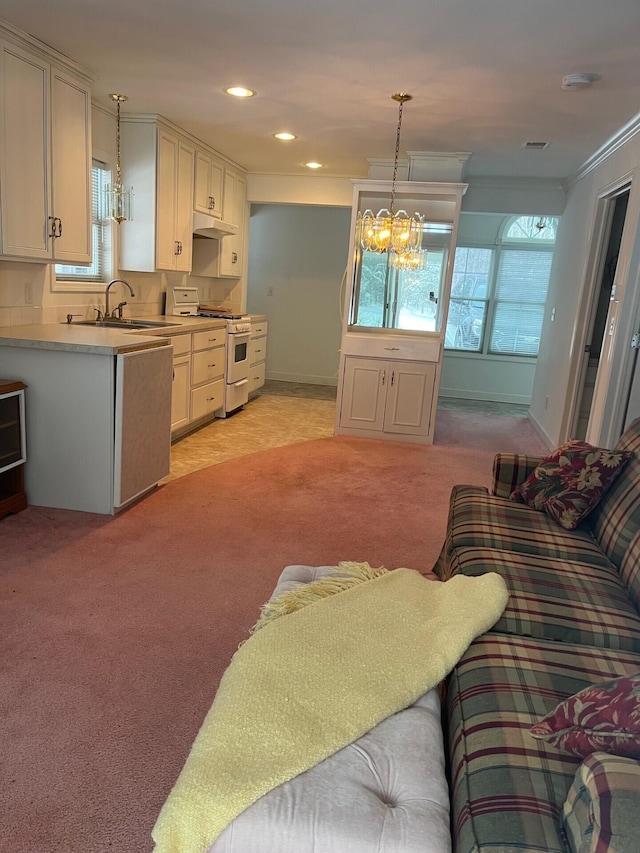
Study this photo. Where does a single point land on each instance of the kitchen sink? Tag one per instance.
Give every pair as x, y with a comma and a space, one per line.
114, 323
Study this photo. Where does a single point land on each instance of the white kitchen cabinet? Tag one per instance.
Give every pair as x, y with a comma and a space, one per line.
45, 158
159, 164
257, 355
387, 398
181, 390
207, 372
231, 248
98, 424
209, 180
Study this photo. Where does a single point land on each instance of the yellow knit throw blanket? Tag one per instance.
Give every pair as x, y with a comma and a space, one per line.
309, 683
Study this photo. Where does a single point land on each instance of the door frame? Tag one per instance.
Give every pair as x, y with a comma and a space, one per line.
614, 372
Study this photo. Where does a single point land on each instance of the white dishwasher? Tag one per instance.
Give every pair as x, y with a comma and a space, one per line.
142, 421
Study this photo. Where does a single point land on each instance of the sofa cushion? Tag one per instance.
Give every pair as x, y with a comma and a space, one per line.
507, 788
571, 481
605, 717
630, 569
616, 519
477, 519
602, 809
554, 599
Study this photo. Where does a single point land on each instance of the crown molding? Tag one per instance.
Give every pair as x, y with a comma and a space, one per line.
620, 138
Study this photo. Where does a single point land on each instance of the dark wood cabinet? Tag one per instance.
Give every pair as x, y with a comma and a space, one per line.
13, 451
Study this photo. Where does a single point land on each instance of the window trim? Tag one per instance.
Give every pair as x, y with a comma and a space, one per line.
497, 249
75, 286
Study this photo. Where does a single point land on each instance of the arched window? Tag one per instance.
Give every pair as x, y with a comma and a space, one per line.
498, 292
525, 229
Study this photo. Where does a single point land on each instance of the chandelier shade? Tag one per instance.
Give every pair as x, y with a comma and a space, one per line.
118, 198
390, 232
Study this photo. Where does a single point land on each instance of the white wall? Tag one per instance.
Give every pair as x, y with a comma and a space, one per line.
297, 258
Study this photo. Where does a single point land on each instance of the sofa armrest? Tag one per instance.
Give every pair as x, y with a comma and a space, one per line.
510, 470
602, 809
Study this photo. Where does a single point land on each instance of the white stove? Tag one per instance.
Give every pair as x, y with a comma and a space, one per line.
184, 302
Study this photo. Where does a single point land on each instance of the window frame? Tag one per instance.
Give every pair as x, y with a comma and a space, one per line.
502, 244
62, 285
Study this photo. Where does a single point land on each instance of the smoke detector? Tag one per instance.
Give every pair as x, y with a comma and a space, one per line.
577, 81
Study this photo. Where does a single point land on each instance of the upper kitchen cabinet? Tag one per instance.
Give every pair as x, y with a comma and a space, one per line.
207, 196
231, 251
159, 163
45, 155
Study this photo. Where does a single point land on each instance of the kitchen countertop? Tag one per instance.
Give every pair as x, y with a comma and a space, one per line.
73, 337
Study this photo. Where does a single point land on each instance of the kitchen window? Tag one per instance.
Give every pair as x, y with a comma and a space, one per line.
498, 293
68, 277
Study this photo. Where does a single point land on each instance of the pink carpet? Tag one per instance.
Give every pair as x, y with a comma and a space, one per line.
115, 631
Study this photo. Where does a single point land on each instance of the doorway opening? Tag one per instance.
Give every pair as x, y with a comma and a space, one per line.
614, 218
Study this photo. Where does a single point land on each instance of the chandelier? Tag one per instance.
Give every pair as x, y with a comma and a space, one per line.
397, 234
119, 199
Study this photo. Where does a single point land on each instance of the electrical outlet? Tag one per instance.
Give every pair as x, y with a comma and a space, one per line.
28, 294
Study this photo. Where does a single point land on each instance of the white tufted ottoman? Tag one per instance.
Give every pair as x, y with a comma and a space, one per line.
384, 793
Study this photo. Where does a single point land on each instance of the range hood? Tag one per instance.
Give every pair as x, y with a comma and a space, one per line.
208, 226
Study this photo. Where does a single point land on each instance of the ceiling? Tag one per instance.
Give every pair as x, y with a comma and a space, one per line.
485, 75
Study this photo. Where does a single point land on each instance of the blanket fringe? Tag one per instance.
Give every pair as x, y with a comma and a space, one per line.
345, 575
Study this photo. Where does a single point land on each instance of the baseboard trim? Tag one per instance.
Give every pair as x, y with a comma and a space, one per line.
307, 380
493, 397
541, 432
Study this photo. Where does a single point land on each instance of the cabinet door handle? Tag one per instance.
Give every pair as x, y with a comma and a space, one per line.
52, 221
178, 247
212, 202
393, 376
234, 257
212, 365
392, 349
384, 376
209, 399
59, 234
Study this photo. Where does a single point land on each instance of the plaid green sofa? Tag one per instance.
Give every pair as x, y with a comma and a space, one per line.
572, 620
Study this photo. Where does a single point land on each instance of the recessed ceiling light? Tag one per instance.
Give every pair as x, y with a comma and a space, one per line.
240, 92
313, 165
286, 137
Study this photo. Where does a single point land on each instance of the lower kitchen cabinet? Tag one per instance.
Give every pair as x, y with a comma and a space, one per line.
257, 355
391, 398
13, 452
207, 372
98, 426
181, 392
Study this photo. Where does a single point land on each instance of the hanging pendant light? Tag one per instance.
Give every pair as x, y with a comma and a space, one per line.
397, 234
119, 199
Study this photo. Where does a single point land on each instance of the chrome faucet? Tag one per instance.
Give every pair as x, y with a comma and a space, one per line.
106, 294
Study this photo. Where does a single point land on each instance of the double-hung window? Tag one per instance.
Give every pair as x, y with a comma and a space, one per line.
498, 293
101, 268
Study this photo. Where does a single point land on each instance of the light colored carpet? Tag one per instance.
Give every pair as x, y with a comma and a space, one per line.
117, 630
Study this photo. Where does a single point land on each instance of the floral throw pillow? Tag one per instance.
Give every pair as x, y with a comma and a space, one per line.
569, 482
600, 718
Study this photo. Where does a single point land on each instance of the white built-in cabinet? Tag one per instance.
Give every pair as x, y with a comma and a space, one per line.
231, 251
387, 396
209, 181
159, 164
257, 355
181, 389
45, 157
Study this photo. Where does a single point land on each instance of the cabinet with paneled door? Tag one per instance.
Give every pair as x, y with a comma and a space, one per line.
181, 389
207, 372
231, 249
159, 163
387, 398
45, 158
209, 180
257, 355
